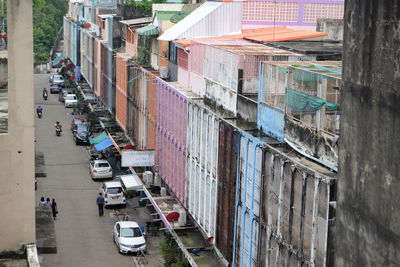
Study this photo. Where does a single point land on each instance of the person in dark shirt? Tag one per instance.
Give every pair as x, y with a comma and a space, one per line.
54, 209
100, 204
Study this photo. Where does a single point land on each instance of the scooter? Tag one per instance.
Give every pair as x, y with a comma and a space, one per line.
45, 96
39, 114
58, 131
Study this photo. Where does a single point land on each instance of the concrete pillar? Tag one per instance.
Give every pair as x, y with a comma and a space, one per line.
368, 226
17, 197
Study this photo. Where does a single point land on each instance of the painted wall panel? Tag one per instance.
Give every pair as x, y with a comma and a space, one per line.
248, 204
121, 89
171, 131
202, 155
228, 152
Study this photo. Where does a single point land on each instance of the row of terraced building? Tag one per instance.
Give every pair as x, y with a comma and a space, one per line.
240, 102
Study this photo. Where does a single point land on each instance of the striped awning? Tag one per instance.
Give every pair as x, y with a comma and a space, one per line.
148, 30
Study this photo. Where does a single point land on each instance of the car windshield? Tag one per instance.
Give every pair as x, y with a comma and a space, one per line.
114, 190
131, 232
102, 165
70, 97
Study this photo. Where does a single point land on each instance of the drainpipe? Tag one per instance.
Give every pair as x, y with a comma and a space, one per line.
189, 68
110, 44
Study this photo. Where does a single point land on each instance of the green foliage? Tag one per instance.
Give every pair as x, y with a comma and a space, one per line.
142, 58
171, 252
145, 5
47, 21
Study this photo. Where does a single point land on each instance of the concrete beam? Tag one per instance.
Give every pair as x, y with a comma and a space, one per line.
17, 180
368, 229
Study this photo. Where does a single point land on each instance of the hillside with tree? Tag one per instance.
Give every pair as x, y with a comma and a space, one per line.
47, 22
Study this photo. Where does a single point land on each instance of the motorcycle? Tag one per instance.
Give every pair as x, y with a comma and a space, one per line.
45, 96
39, 113
58, 131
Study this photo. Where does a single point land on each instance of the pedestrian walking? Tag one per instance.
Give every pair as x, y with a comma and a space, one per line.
42, 202
54, 209
48, 202
100, 204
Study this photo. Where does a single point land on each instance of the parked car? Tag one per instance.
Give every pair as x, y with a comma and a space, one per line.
54, 89
70, 100
90, 98
63, 93
52, 75
81, 134
57, 79
100, 169
128, 237
77, 120
113, 193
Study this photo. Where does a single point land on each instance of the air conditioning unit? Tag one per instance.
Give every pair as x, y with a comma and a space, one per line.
157, 179
163, 72
163, 191
148, 177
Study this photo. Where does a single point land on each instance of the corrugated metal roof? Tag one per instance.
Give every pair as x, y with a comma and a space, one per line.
105, 16
285, 35
137, 21
263, 35
210, 19
243, 47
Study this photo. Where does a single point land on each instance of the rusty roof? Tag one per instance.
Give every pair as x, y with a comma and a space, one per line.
274, 34
243, 47
326, 68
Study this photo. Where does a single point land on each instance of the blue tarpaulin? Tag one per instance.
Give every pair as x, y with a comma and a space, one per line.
103, 144
98, 139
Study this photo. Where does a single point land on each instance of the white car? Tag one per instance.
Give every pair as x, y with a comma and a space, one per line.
70, 100
113, 193
56, 79
100, 169
128, 237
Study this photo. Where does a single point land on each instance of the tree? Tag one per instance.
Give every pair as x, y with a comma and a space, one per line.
47, 21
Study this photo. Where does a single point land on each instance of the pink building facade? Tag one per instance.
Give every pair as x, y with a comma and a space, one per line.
171, 135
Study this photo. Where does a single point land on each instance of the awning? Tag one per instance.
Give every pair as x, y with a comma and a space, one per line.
98, 139
148, 30
57, 60
130, 22
103, 144
131, 181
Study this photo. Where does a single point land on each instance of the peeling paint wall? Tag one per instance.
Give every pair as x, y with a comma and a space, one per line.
296, 213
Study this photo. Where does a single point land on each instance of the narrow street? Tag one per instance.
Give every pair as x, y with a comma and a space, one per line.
83, 238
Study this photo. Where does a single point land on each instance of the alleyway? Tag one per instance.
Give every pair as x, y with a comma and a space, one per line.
83, 239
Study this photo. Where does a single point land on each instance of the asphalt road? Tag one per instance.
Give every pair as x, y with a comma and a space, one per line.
83, 238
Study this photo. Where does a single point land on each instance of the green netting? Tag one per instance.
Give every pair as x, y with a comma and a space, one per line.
300, 101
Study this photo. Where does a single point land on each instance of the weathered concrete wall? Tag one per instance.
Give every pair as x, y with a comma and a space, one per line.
314, 143
17, 179
333, 27
369, 184
247, 107
3, 70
